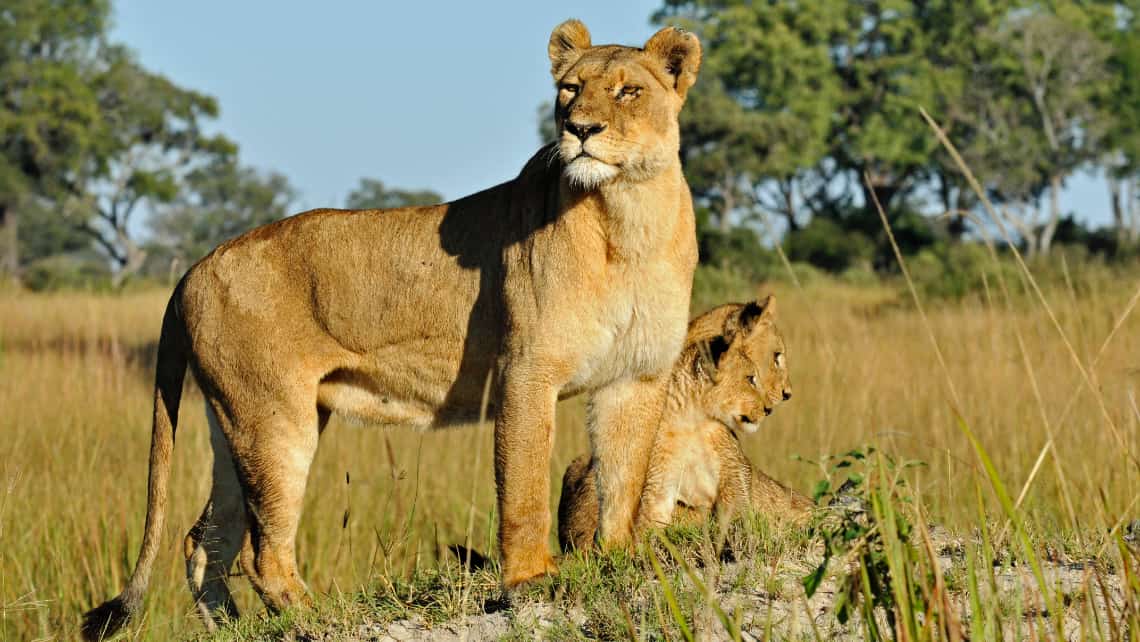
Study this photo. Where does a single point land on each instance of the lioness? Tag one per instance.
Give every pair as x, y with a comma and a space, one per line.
573, 277
731, 374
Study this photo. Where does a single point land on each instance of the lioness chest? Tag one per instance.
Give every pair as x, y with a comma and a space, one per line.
635, 328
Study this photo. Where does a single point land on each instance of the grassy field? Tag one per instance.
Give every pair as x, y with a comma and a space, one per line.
75, 387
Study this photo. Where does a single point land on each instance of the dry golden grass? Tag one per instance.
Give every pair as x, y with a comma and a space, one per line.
75, 390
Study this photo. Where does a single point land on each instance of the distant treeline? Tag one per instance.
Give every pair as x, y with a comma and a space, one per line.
803, 110
91, 141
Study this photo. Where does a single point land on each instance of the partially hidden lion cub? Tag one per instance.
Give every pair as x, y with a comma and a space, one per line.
731, 374
572, 278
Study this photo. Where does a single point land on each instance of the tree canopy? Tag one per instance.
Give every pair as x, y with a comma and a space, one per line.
804, 109
96, 151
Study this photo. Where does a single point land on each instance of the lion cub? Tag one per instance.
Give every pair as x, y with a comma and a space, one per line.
731, 374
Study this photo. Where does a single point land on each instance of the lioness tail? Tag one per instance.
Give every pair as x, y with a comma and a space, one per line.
107, 618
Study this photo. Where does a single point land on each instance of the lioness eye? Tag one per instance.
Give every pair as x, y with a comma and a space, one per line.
569, 88
752, 380
630, 90
779, 359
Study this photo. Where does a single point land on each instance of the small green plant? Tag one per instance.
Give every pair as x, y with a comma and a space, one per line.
872, 528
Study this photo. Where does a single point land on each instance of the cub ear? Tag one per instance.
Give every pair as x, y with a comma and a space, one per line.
679, 52
769, 305
567, 42
750, 316
709, 355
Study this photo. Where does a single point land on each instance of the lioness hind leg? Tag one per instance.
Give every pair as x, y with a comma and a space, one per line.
578, 506
273, 463
214, 542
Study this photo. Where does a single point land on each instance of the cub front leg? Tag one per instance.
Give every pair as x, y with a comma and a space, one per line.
662, 480
622, 422
524, 436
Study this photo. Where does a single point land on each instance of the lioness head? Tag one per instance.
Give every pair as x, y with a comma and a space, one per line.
745, 368
617, 106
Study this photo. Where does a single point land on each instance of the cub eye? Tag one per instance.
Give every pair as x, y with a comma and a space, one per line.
629, 91
569, 88
779, 358
752, 380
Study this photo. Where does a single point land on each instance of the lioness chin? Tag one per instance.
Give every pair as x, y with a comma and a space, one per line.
732, 372
572, 278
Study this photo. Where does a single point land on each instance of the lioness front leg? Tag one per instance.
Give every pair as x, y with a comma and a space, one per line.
622, 422
524, 436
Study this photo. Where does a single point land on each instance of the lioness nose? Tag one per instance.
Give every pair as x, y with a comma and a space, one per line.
584, 130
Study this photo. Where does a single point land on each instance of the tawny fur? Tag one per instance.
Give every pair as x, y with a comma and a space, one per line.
731, 374
572, 278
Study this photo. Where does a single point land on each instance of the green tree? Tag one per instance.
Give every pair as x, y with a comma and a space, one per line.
798, 102
1036, 112
87, 136
1122, 154
148, 138
48, 108
373, 194
547, 132
756, 123
219, 201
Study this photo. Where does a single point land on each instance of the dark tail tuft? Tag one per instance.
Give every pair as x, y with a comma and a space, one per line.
105, 620
476, 560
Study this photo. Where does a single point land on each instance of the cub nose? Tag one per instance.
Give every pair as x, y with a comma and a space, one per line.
767, 411
583, 130
787, 395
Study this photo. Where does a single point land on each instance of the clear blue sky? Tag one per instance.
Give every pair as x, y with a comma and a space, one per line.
439, 95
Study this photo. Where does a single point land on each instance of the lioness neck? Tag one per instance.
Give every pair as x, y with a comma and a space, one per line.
639, 219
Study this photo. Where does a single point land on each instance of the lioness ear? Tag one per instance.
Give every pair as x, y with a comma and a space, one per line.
680, 53
567, 42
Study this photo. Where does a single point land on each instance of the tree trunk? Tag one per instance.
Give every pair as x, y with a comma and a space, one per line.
1025, 229
1031, 244
956, 225
133, 259
885, 192
9, 242
729, 199
1131, 211
1115, 186
1054, 215
790, 205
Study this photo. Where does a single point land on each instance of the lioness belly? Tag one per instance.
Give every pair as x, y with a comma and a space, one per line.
415, 389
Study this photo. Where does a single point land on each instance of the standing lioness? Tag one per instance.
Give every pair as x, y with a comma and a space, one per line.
573, 277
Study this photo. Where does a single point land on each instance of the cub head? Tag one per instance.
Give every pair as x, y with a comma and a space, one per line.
745, 368
617, 107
